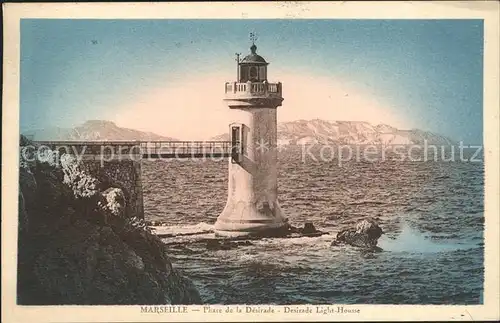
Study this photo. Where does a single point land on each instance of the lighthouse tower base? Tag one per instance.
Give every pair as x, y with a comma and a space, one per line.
243, 218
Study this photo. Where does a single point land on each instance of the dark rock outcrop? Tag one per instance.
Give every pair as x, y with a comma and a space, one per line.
76, 247
364, 235
308, 230
225, 244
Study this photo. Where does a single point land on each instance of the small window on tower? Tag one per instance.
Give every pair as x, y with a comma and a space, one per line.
235, 135
244, 74
236, 144
253, 73
262, 73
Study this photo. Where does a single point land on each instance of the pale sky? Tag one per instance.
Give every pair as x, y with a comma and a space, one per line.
167, 76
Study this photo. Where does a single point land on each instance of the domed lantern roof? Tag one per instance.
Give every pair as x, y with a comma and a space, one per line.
253, 57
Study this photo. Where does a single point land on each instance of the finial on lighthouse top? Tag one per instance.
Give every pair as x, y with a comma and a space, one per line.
253, 38
253, 49
253, 58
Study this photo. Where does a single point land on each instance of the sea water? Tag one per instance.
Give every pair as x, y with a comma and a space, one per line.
431, 213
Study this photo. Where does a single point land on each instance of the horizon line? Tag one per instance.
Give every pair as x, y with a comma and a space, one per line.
24, 132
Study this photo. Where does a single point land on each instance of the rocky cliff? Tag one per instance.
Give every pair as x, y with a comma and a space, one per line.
76, 246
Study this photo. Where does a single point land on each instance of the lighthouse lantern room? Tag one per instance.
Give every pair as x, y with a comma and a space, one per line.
252, 67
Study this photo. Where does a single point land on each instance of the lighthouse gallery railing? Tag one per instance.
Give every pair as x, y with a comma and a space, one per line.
259, 88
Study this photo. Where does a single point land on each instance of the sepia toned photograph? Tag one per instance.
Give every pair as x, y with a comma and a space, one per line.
223, 165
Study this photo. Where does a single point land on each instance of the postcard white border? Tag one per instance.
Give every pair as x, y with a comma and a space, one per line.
13, 12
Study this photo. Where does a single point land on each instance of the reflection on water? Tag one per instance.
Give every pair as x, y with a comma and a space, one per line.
432, 214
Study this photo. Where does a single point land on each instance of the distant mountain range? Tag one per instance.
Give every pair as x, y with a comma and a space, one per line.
350, 133
289, 133
94, 130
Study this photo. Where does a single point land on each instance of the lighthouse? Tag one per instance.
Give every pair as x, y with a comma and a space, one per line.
252, 204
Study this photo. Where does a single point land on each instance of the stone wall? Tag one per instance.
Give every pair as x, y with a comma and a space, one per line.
124, 174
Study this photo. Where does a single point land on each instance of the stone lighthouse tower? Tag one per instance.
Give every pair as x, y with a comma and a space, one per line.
252, 207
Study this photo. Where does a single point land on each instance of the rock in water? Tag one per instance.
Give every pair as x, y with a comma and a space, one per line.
309, 228
364, 235
225, 244
370, 228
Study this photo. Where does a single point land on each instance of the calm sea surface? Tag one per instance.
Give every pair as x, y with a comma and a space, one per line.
432, 213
